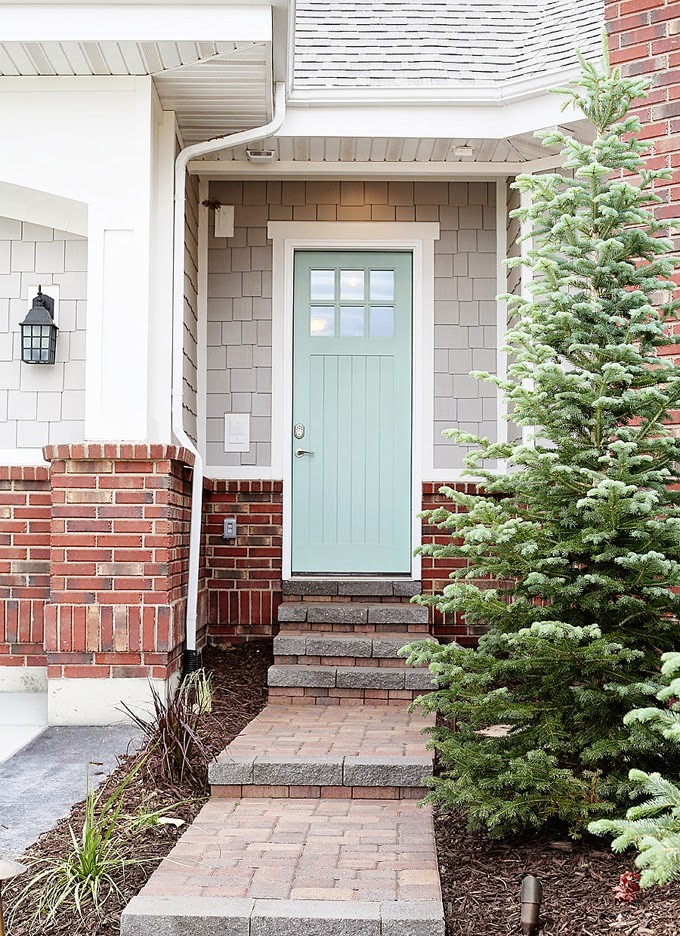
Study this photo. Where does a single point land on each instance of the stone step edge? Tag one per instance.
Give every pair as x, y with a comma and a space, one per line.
321, 770
242, 916
350, 677
352, 613
301, 791
353, 587
368, 646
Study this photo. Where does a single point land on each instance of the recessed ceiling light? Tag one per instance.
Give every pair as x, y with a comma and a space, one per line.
261, 155
463, 151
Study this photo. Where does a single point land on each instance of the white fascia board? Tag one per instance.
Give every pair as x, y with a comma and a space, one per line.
120, 22
216, 169
489, 120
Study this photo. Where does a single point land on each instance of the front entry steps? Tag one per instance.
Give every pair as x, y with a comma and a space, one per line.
346, 653
313, 828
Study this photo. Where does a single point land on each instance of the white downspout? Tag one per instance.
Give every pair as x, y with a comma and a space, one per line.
191, 152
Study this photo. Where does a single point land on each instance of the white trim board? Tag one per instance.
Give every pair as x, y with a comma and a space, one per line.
416, 237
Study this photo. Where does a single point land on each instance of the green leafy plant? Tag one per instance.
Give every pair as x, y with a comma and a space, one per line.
653, 826
88, 877
570, 556
177, 752
199, 685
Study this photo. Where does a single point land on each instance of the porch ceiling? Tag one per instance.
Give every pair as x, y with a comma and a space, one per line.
524, 148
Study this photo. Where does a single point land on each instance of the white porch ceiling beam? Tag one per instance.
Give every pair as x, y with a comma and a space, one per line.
48, 22
481, 119
235, 169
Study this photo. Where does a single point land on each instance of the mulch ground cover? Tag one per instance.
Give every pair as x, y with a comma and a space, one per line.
481, 885
240, 677
480, 879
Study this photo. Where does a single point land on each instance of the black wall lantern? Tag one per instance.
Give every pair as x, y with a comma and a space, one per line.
38, 332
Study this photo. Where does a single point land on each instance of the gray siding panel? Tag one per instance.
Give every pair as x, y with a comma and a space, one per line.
239, 298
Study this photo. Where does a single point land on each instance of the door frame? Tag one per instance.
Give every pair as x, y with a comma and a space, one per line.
416, 238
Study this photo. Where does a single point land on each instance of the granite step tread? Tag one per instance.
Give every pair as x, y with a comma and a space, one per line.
349, 644
350, 677
352, 613
354, 587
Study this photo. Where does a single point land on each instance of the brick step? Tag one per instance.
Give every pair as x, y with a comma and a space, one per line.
278, 867
352, 588
308, 752
341, 649
352, 616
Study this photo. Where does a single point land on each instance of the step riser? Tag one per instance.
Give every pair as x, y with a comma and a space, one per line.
333, 613
348, 589
391, 662
225, 791
410, 631
295, 695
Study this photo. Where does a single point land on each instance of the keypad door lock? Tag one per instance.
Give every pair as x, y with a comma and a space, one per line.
299, 431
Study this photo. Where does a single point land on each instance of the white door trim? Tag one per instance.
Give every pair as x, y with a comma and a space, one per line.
416, 237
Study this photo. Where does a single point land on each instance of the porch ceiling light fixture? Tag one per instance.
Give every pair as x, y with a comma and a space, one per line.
464, 151
38, 332
8, 870
261, 155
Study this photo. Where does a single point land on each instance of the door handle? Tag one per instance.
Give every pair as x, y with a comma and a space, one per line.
300, 452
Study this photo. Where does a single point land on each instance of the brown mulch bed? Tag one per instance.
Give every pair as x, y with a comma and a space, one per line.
239, 676
481, 884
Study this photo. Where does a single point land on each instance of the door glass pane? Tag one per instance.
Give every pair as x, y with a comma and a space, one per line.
321, 321
322, 284
382, 285
351, 321
382, 321
352, 285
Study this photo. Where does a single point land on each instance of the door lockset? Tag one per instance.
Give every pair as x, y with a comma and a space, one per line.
299, 431
300, 452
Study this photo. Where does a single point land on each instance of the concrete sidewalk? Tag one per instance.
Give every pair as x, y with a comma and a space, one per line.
46, 777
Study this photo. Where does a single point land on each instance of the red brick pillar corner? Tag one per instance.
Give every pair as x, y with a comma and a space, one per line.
118, 576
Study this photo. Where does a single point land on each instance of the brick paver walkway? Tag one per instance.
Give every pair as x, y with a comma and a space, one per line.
309, 730
304, 850
313, 829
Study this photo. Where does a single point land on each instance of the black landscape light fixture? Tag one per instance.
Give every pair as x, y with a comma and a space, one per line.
532, 893
8, 870
38, 332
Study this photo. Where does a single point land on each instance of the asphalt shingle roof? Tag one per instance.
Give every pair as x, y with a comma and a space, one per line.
421, 43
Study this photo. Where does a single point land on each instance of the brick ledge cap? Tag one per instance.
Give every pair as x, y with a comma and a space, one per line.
120, 451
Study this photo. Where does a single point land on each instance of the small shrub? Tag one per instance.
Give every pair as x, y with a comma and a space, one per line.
653, 827
176, 751
199, 686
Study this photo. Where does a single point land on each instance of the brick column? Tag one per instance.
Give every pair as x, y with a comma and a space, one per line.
24, 575
118, 576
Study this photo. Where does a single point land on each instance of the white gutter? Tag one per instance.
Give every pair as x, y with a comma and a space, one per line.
192, 152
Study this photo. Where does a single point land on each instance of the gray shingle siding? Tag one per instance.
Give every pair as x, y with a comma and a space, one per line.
416, 43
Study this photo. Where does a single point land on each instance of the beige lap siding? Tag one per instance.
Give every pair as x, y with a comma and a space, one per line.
41, 404
189, 403
240, 298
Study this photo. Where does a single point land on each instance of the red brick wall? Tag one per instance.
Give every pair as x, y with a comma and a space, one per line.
24, 564
243, 578
644, 38
119, 560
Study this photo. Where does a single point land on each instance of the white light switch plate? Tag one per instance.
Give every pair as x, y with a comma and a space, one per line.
237, 432
224, 221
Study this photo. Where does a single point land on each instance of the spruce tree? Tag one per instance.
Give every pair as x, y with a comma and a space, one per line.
572, 552
653, 827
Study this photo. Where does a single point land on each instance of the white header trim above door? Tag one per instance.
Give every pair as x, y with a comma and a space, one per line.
416, 237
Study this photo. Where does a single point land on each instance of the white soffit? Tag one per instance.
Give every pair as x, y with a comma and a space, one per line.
217, 77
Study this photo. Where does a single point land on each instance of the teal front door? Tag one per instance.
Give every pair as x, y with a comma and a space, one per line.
351, 459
